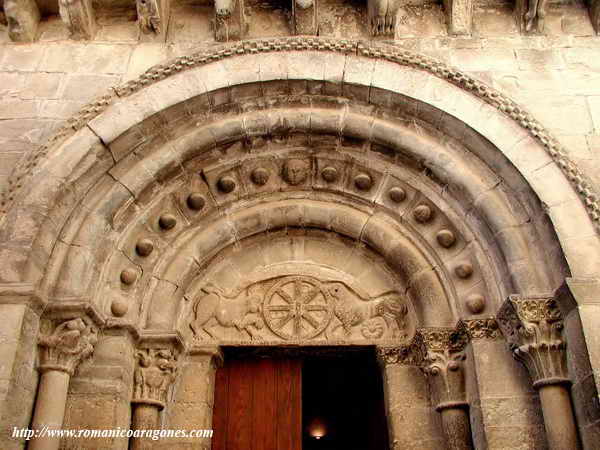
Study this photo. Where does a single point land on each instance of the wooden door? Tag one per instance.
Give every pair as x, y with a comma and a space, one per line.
258, 405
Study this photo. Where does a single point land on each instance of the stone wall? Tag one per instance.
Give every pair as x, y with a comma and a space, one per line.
556, 75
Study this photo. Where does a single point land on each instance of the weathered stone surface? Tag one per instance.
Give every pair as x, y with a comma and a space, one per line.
382, 136
23, 17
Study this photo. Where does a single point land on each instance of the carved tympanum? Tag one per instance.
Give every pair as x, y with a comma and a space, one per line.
533, 328
69, 343
299, 308
154, 374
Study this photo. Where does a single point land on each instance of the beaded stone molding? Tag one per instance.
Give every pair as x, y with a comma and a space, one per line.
388, 52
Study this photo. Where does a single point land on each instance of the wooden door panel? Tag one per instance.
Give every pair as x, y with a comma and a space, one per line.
265, 428
239, 425
258, 405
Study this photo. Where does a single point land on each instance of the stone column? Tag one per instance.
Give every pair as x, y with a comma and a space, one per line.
191, 407
63, 345
444, 368
533, 328
407, 398
504, 408
155, 372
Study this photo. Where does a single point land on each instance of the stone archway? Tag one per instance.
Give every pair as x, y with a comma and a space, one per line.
213, 200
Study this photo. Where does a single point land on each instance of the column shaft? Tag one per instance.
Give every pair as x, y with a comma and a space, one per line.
50, 408
558, 417
457, 429
145, 417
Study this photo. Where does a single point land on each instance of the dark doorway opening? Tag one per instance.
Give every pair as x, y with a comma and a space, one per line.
342, 403
292, 398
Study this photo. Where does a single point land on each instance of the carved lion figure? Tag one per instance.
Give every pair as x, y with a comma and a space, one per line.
391, 307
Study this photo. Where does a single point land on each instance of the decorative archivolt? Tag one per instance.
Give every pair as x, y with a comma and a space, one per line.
390, 53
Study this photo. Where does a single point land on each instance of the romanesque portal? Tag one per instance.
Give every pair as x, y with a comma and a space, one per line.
305, 192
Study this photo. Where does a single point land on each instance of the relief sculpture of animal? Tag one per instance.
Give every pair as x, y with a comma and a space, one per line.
351, 313
216, 309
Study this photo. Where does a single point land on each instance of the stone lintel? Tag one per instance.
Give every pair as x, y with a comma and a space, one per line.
23, 17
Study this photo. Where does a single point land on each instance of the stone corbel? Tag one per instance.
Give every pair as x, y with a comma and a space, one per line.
531, 15
594, 6
444, 368
305, 17
459, 17
153, 18
382, 16
230, 21
533, 327
63, 343
23, 17
79, 17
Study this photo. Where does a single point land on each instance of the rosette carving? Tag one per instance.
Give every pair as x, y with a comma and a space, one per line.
69, 343
533, 328
154, 374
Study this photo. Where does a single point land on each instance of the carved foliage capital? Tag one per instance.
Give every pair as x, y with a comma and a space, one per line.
533, 328
155, 372
67, 343
444, 365
412, 354
481, 328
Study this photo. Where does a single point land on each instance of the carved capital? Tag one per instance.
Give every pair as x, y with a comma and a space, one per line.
79, 17
533, 328
412, 354
155, 373
443, 365
481, 328
67, 343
